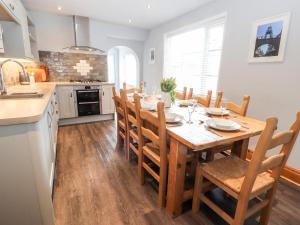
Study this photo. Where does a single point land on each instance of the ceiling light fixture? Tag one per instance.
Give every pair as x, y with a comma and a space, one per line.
130, 21
149, 6
59, 8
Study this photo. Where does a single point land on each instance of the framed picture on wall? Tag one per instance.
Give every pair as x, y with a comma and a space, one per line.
152, 56
269, 38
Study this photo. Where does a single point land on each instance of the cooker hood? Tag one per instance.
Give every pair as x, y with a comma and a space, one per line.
81, 27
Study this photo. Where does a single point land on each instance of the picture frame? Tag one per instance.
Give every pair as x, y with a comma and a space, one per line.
152, 56
269, 37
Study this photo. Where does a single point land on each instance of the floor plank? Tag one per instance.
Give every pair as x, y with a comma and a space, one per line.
95, 185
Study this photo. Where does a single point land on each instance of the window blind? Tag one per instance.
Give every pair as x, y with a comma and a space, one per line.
193, 56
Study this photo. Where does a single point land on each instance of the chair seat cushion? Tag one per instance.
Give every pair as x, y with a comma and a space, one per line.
231, 172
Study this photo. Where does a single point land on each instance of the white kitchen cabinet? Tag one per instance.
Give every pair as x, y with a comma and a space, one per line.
1, 40
12, 8
25, 29
27, 163
66, 102
107, 104
16, 33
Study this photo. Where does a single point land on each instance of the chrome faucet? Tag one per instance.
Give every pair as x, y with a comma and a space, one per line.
3, 89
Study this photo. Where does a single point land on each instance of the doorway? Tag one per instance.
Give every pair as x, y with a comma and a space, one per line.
123, 66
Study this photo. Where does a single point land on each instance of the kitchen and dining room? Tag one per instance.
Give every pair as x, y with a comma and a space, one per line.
149, 112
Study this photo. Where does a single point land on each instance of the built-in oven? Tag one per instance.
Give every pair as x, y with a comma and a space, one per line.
88, 101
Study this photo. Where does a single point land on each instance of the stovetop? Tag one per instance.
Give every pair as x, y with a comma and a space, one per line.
86, 81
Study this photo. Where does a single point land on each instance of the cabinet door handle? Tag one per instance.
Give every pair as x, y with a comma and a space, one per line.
71, 95
12, 7
103, 93
50, 120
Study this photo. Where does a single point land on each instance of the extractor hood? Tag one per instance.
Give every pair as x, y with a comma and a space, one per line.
81, 27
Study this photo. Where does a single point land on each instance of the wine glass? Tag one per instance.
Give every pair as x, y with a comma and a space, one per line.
191, 110
223, 109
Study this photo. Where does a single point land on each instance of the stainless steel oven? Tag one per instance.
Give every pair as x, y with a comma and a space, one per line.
88, 101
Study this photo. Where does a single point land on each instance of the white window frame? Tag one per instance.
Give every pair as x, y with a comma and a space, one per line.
203, 23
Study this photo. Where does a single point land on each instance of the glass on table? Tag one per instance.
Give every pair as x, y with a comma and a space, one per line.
191, 110
223, 108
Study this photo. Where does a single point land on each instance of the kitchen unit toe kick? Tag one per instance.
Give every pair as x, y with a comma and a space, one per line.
85, 119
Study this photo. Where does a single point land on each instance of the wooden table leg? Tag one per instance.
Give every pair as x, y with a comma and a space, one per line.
240, 148
177, 165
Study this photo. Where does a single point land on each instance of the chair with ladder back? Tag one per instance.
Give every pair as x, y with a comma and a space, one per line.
204, 101
131, 124
131, 90
153, 146
190, 94
245, 181
120, 117
181, 95
239, 109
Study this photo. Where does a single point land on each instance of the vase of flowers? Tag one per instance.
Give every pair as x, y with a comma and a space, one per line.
168, 87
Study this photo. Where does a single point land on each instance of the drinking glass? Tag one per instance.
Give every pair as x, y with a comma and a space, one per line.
191, 110
223, 109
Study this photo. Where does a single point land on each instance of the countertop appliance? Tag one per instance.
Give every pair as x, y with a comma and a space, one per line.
88, 100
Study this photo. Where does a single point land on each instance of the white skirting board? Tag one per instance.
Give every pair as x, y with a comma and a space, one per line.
85, 119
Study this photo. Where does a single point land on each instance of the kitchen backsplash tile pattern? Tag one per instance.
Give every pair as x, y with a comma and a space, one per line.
83, 67
72, 66
11, 71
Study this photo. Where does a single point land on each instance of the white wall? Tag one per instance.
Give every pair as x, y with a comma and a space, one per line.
105, 36
55, 32
273, 87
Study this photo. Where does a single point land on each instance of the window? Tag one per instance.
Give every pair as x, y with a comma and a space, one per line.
130, 70
193, 56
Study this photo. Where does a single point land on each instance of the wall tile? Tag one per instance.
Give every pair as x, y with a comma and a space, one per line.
67, 66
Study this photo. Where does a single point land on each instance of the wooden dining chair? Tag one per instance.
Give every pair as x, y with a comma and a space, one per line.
181, 95
205, 101
153, 146
239, 109
218, 102
190, 94
247, 181
121, 119
131, 124
130, 90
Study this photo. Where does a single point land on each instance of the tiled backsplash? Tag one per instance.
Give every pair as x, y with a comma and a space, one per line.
72, 66
11, 71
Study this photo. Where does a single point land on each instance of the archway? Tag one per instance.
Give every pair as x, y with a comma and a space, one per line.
123, 66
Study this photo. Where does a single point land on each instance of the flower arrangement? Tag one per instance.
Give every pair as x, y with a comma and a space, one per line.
168, 86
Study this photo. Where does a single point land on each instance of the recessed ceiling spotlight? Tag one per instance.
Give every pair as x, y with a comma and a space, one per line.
59, 8
130, 21
149, 6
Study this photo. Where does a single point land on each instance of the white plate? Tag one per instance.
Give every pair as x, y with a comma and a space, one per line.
173, 117
222, 124
217, 111
186, 102
148, 106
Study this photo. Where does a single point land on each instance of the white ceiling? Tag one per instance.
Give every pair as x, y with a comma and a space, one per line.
120, 11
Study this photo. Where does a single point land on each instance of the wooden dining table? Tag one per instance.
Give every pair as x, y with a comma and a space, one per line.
197, 137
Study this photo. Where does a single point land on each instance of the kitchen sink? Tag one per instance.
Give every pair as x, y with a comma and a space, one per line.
22, 95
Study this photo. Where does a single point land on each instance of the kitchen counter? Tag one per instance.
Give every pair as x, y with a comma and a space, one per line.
31, 110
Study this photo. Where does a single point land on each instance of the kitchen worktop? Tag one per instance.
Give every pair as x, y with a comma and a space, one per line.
31, 110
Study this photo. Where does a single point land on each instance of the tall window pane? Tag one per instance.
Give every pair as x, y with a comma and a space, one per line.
194, 56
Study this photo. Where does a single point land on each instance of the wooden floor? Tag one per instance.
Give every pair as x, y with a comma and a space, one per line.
95, 185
